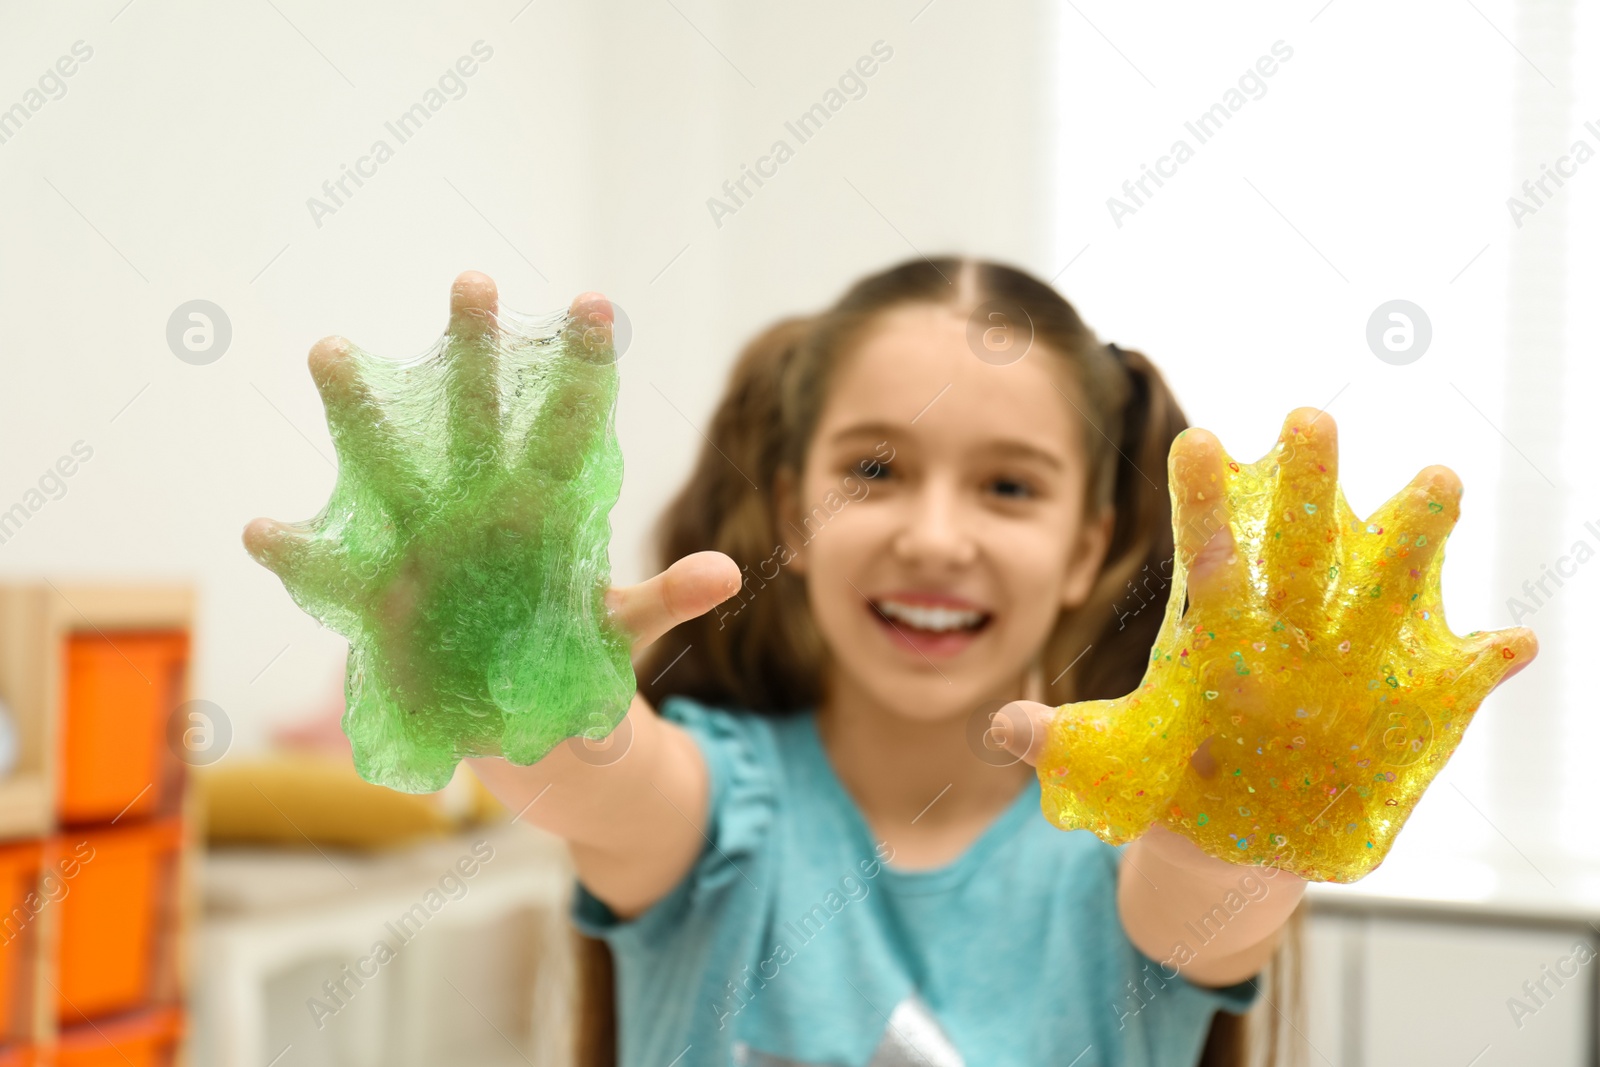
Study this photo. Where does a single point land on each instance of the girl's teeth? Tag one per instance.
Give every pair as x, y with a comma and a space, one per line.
927, 618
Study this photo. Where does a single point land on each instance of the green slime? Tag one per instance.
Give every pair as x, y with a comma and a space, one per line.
463, 552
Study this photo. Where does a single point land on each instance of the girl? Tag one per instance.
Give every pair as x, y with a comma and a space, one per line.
826, 847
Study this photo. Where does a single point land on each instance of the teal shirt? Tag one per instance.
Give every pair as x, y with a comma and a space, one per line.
791, 942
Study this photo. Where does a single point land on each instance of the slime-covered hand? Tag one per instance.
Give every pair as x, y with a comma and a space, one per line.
463, 551
1296, 711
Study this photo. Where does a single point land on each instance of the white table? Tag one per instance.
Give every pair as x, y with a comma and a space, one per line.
493, 958
1418, 965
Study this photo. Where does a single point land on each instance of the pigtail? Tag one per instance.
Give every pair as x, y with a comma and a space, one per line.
1098, 651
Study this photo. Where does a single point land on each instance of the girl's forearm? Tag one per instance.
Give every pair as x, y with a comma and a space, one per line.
585, 795
1216, 922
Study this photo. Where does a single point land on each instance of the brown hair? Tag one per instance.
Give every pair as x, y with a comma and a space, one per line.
769, 658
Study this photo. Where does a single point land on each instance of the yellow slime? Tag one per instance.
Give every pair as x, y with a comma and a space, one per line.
1294, 714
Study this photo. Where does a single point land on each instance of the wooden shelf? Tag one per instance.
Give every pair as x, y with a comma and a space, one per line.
25, 808
88, 607
36, 620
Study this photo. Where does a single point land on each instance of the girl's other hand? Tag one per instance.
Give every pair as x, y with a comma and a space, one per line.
1021, 727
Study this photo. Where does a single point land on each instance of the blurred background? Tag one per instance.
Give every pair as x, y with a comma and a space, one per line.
1388, 212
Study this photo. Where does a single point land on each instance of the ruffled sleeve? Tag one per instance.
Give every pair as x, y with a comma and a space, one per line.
741, 761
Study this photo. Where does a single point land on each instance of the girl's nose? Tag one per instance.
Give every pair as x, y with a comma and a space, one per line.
936, 529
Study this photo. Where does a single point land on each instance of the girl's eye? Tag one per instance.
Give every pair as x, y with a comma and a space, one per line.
872, 468
1011, 488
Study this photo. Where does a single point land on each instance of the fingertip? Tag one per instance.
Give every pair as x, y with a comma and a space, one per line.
689, 588
258, 537
473, 289
1432, 502
590, 323
1196, 452
327, 359
474, 299
1312, 422
1308, 452
592, 307
717, 570
1196, 441
1503, 654
1440, 479
1199, 490
1523, 645
1019, 727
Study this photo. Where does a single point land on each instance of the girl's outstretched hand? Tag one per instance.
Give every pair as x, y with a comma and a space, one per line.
463, 551
1293, 714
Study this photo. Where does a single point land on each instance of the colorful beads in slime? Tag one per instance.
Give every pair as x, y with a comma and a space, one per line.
1312, 677
463, 552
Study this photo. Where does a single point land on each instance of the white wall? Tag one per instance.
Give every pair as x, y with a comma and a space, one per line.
179, 162
1376, 164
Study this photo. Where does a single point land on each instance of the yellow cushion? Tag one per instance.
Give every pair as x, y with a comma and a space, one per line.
302, 799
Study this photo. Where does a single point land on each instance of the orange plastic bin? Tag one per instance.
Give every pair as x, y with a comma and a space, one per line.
120, 690
19, 1056
19, 884
117, 917
149, 1039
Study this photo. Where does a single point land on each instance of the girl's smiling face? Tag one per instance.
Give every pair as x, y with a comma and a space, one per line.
939, 518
